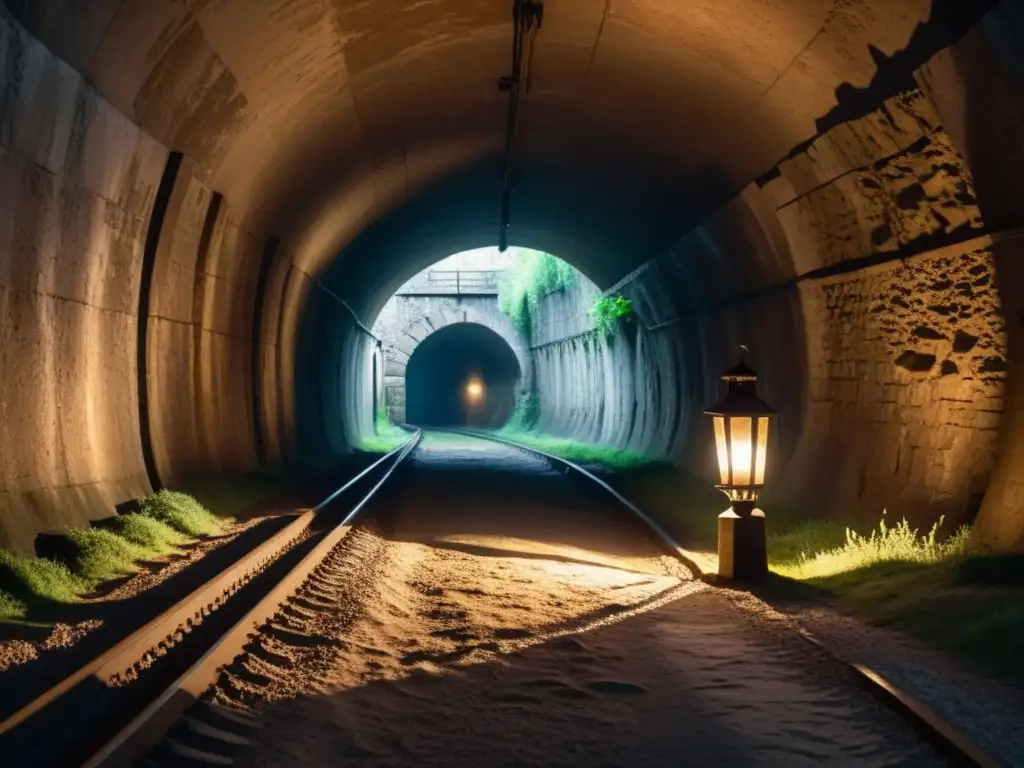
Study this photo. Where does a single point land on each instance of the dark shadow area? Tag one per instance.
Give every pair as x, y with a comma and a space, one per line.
949, 21
970, 608
462, 375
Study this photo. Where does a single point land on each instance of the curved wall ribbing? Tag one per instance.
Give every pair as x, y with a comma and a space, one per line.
273, 144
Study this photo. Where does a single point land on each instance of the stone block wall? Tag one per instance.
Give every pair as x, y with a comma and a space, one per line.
862, 276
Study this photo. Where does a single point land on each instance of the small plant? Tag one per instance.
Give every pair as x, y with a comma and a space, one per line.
11, 607
105, 555
155, 536
180, 511
526, 413
608, 312
898, 543
39, 577
534, 275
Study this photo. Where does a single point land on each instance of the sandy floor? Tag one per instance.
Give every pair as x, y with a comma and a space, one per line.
499, 615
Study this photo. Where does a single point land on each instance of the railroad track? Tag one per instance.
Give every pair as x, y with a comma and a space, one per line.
949, 739
113, 709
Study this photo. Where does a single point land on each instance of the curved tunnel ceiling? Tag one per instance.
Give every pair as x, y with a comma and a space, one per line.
316, 118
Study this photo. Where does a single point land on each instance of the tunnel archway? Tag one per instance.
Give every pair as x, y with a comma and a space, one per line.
207, 222
462, 375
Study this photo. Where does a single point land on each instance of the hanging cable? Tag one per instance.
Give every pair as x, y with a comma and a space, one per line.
527, 16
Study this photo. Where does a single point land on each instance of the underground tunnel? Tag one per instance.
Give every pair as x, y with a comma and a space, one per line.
206, 204
206, 207
464, 375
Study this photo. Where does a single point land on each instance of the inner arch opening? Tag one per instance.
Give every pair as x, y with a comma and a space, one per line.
463, 375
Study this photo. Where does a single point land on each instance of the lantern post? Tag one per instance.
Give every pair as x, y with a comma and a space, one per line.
741, 420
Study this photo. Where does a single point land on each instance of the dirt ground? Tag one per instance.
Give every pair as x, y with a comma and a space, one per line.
497, 613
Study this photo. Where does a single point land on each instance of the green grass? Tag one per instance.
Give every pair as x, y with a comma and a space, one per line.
971, 606
153, 535
387, 436
581, 453
182, 512
805, 554
11, 607
167, 520
227, 497
608, 312
25, 578
533, 276
105, 555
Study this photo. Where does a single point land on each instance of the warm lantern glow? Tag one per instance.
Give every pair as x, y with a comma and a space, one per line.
741, 449
762, 450
741, 435
723, 449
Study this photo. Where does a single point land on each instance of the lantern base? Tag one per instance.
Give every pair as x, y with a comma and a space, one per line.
742, 546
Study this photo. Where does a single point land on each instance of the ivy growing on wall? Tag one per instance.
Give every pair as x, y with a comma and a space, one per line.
533, 276
608, 312
526, 413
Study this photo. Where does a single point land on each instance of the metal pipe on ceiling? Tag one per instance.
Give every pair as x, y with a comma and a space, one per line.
527, 16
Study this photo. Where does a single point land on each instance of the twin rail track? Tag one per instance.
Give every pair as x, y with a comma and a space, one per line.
114, 708
120, 704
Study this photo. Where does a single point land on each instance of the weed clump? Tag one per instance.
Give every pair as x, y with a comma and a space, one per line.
25, 577
181, 512
155, 536
898, 543
608, 312
534, 275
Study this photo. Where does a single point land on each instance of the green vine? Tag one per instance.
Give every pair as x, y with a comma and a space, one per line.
526, 413
534, 276
608, 312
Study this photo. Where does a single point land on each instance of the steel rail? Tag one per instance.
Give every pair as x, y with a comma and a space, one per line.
144, 731
155, 636
949, 739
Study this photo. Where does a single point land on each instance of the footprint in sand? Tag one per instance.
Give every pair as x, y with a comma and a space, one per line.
512, 634
461, 634
616, 687
559, 688
570, 644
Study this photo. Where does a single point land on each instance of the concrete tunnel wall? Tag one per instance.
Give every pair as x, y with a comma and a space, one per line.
874, 319
281, 189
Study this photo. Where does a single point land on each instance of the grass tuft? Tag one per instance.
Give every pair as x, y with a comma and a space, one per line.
387, 436
181, 512
11, 607
105, 555
155, 536
581, 453
37, 577
898, 543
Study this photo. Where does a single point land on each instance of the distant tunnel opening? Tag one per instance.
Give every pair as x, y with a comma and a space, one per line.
462, 375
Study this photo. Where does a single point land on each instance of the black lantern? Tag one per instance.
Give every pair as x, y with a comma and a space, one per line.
741, 421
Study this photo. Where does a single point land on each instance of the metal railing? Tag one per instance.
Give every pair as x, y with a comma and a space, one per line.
452, 282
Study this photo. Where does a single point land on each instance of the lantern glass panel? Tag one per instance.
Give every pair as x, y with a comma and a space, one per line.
762, 450
741, 449
723, 449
